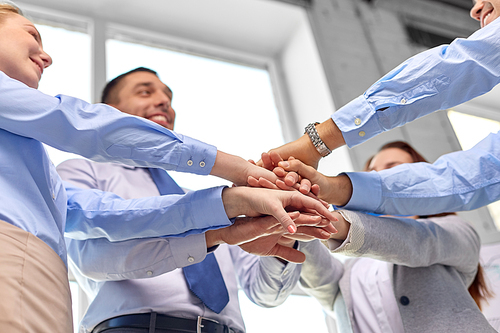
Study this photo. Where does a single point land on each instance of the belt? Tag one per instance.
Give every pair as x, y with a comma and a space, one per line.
159, 321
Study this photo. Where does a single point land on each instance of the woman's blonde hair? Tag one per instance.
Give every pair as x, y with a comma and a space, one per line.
8, 8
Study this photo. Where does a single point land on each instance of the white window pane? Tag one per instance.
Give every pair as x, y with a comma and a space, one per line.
298, 314
226, 105
470, 130
69, 73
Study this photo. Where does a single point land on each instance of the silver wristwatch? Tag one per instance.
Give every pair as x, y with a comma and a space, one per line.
322, 149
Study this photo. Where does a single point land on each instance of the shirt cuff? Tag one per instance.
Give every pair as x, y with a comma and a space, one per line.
196, 157
355, 238
188, 250
366, 191
357, 121
207, 206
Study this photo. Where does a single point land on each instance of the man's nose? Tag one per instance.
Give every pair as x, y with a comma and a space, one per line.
161, 99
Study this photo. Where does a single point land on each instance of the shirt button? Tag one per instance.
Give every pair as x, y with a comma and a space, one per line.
285, 272
53, 196
149, 273
403, 101
357, 121
202, 164
362, 133
189, 163
404, 300
190, 259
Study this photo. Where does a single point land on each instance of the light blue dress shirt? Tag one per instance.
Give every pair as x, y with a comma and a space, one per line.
436, 79
144, 275
33, 197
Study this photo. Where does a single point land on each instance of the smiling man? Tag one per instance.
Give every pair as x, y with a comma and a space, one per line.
141, 93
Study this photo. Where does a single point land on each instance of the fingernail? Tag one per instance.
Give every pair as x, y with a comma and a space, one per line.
284, 164
291, 229
325, 233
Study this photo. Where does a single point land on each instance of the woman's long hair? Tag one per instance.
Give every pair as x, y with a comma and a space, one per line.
479, 288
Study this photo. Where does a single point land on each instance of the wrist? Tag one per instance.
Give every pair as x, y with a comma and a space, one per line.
311, 155
213, 238
330, 134
338, 191
233, 201
230, 167
343, 227
316, 140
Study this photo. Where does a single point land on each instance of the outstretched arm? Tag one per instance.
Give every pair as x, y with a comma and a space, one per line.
101, 260
436, 79
445, 240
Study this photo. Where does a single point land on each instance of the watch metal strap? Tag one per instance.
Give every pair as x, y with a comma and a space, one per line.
322, 149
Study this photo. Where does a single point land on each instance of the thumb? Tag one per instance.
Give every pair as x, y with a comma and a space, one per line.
304, 170
286, 221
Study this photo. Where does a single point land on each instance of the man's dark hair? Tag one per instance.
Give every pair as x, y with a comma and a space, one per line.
110, 91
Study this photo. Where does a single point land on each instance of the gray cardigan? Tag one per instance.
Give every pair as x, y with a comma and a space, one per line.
434, 262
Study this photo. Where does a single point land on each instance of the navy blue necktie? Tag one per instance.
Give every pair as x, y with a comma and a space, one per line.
205, 278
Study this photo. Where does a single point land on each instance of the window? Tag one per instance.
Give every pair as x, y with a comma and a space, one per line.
69, 73
298, 313
224, 104
470, 130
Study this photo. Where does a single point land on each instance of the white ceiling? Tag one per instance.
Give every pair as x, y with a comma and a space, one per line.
254, 27
259, 27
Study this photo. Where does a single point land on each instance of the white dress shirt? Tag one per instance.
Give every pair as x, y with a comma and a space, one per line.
144, 275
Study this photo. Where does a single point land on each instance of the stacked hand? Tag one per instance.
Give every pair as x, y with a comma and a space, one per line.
264, 236
293, 174
267, 208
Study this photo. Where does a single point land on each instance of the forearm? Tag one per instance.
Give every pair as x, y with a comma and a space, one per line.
458, 181
97, 131
96, 214
413, 243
